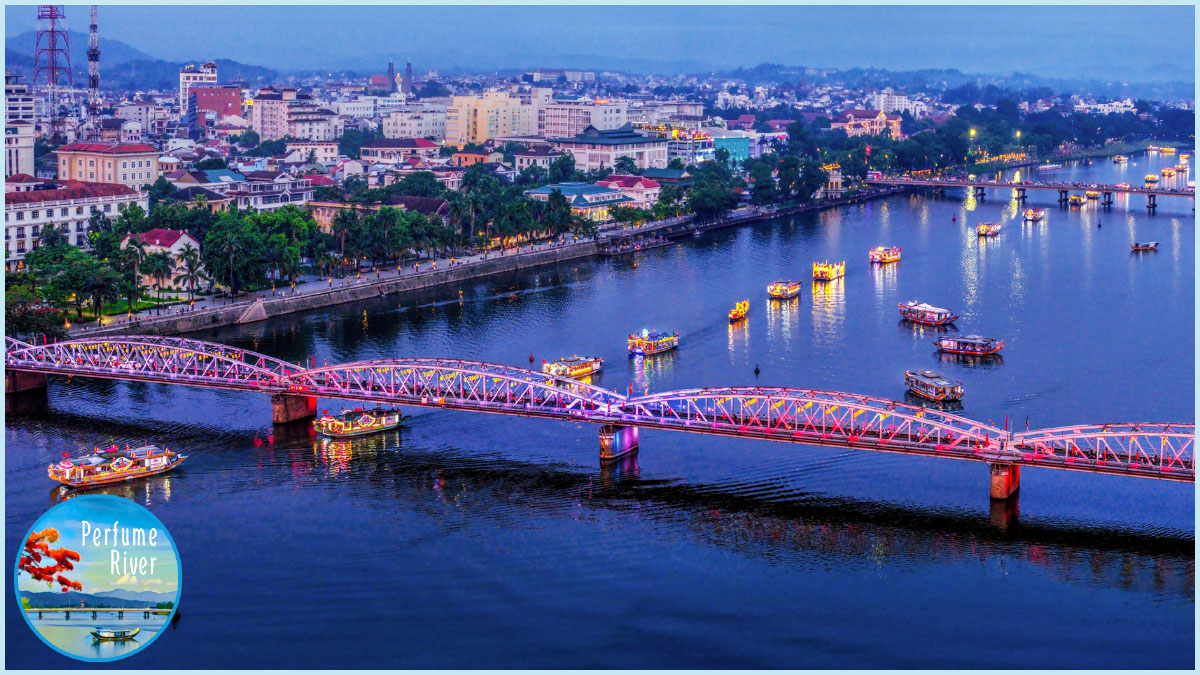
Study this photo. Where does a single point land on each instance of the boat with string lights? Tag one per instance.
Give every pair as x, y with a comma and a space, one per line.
1092, 194
971, 345
739, 311
988, 229
827, 271
652, 342
783, 290
1120, 159
1033, 215
573, 366
358, 422
114, 465
1151, 178
882, 255
919, 312
932, 385
1167, 150
1076, 200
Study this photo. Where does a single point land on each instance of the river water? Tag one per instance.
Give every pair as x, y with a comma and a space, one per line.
481, 541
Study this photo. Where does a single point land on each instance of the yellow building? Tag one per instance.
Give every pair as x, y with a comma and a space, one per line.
131, 164
494, 114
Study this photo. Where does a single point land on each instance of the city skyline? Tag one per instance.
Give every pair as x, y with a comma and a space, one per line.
1059, 42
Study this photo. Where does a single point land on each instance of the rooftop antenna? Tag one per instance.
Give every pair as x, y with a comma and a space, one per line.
52, 60
93, 57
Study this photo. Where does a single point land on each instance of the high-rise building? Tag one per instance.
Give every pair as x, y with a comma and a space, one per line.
495, 114
190, 76
18, 102
18, 148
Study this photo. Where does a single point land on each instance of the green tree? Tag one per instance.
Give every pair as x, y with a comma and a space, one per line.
625, 165
157, 192
191, 272
157, 266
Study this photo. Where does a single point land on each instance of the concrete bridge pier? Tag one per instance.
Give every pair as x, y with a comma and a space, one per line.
146, 614
1020, 194
1108, 199
1003, 513
290, 408
1063, 196
1006, 480
1152, 202
39, 614
980, 192
16, 381
617, 441
67, 615
93, 614
120, 615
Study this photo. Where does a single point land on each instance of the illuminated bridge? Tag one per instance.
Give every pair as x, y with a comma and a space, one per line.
1148, 450
980, 185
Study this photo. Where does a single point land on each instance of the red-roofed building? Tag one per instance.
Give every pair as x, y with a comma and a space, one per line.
67, 205
745, 122
132, 164
868, 123
161, 240
643, 191
317, 180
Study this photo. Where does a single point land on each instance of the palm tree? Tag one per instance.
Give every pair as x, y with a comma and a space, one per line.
343, 222
135, 255
131, 288
158, 267
101, 283
189, 260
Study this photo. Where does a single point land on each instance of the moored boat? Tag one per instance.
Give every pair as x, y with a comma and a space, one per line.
358, 422
1120, 159
988, 229
1167, 150
1076, 200
655, 342
884, 254
782, 290
739, 311
1033, 215
1092, 194
574, 366
113, 465
1144, 245
116, 633
1181, 167
1049, 167
1168, 172
919, 312
1151, 178
827, 271
932, 385
972, 345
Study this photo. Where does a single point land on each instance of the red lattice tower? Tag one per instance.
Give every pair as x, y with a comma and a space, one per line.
52, 59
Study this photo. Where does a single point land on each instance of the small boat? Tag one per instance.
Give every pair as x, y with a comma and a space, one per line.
116, 633
1167, 150
1184, 156
574, 366
1152, 147
1123, 186
972, 345
1076, 200
1181, 167
649, 343
1092, 194
988, 229
884, 254
1168, 172
930, 385
739, 311
1120, 159
1033, 215
113, 465
1144, 245
782, 290
827, 271
1049, 167
919, 312
358, 422
1151, 178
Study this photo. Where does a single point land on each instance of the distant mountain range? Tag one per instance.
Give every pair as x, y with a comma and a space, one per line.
114, 598
124, 67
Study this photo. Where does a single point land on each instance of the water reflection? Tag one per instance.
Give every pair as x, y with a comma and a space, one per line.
783, 315
828, 309
944, 406
649, 370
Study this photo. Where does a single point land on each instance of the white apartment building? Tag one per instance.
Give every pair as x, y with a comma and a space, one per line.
18, 148
475, 119
890, 102
190, 76
355, 108
562, 118
68, 206
18, 102
415, 124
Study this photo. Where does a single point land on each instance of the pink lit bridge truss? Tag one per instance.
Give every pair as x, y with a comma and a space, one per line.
1148, 450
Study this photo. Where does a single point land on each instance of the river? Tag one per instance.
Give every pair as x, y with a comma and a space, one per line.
482, 541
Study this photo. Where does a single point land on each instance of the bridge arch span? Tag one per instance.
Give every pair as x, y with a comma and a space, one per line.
453, 383
152, 359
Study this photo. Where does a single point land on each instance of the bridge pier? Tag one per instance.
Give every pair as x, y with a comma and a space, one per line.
93, 614
1006, 480
1151, 202
290, 408
1108, 199
16, 381
120, 615
980, 192
616, 441
67, 615
146, 614
1063, 196
1003, 513
1020, 194
39, 614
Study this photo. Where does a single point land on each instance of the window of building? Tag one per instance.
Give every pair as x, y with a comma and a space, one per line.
78, 211
91, 162
20, 215
33, 230
35, 214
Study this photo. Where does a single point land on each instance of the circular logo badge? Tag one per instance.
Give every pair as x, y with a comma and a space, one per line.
98, 578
